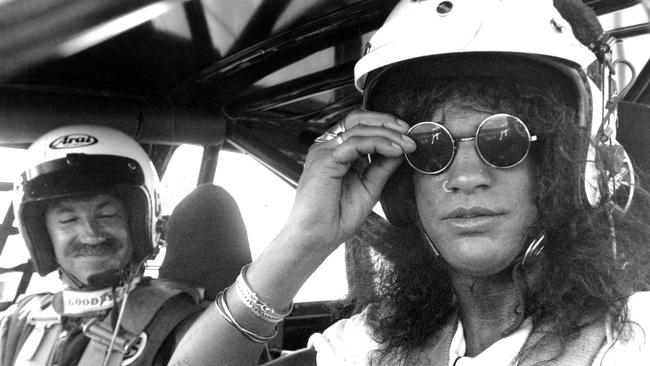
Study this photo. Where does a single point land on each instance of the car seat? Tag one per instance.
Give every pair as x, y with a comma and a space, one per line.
207, 243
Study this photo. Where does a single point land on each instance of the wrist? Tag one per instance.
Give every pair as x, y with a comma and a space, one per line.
253, 302
221, 304
304, 242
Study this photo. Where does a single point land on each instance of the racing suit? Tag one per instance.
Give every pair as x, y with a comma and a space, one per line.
157, 312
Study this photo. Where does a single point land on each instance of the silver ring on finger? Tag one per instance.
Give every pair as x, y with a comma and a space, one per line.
332, 132
339, 138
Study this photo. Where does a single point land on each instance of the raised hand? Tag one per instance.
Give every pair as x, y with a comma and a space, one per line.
339, 187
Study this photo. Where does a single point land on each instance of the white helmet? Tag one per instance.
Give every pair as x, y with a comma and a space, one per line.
84, 159
474, 30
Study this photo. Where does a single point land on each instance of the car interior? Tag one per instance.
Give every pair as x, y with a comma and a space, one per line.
257, 78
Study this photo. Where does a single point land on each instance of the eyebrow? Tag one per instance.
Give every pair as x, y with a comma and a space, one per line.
443, 118
108, 201
63, 207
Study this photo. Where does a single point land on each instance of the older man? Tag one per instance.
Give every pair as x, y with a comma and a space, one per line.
87, 205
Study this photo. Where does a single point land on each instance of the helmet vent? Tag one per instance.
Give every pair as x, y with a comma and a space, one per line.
72, 159
444, 8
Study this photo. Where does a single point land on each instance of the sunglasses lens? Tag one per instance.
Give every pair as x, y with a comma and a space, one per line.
503, 140
435, 147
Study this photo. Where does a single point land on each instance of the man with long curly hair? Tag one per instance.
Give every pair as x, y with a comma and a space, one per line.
515, 240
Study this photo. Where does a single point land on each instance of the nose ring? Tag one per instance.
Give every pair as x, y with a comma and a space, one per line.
445, 188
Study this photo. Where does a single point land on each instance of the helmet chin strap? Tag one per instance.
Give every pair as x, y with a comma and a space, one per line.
71, 280
432, 246
109, 278
534, 248
103, 291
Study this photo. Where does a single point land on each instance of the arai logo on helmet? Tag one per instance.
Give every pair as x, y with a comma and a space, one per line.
73, 140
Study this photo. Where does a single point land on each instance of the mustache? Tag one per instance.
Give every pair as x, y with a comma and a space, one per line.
110, 245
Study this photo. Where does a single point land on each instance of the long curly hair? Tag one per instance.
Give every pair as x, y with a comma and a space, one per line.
583, 281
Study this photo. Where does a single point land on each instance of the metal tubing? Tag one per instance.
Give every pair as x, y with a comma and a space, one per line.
294, 90
275, 160
148, 121
631, 31
36, 30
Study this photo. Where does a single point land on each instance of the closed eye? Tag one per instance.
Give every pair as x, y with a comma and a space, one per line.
67, 220
107, 215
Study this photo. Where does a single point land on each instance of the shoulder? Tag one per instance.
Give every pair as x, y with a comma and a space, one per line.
639, 319
160, 306
346, 342
638, 304
28, 304
164, 310
17, 323
165, 288
638, 329
632, 345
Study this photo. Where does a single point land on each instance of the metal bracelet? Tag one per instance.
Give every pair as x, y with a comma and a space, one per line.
222, 306
258, 307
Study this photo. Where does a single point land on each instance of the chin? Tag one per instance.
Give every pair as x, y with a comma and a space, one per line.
482, 269
97, 268
481, 263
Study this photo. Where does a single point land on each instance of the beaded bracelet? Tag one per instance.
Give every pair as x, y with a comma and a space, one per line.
222, 307
250, 299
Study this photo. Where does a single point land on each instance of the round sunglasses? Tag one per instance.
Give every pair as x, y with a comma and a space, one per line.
501, 140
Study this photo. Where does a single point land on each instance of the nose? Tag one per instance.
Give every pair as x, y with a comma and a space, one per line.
468, 173
90, 232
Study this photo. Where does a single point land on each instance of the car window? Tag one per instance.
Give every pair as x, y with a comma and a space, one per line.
264, 200
180, 176
15, 252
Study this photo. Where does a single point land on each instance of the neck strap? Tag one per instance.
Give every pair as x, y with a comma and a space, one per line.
79, 303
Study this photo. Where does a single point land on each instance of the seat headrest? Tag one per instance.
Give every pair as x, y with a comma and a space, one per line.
207, 243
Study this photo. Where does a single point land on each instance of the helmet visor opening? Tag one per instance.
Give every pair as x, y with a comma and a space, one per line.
79, 173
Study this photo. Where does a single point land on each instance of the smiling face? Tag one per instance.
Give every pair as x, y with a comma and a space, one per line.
480, 224
90, 235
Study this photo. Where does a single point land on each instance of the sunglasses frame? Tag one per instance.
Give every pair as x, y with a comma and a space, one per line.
456, 141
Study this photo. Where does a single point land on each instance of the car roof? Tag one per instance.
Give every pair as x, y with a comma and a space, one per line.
265, 76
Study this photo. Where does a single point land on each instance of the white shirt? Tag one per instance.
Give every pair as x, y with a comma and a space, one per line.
347, 342
499, 352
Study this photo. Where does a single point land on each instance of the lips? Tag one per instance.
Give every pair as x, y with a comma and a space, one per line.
472, 212
474, 219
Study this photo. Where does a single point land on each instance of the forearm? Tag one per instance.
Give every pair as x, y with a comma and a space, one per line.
276, 276
213, 341
331, 203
